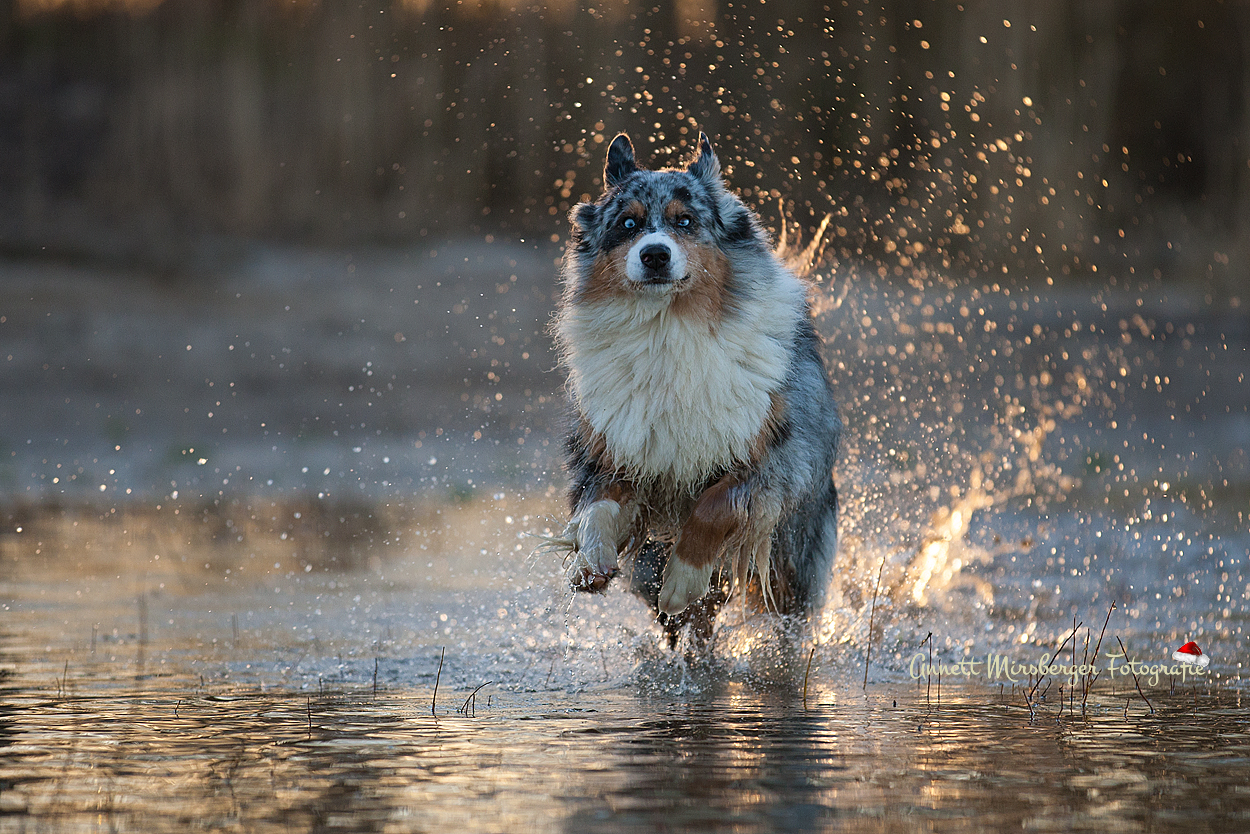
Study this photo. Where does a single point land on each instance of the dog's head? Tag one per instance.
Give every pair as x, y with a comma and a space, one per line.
670, 233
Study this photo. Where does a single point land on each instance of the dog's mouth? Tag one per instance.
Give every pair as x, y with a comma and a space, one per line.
660, 279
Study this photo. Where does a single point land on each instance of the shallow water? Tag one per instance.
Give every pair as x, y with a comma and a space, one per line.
146, 694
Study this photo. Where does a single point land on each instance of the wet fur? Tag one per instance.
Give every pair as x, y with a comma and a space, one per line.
704, 429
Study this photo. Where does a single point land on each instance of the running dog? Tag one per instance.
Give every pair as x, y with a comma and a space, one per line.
704, 428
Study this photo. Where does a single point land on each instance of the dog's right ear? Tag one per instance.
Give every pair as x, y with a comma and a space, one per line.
620, 163
584, 216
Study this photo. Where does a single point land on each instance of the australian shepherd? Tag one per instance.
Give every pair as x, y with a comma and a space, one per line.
704, 428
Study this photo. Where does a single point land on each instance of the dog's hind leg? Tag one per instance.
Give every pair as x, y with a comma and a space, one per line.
648, 576
645, 580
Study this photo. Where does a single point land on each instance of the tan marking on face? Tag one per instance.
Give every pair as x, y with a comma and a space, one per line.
716, 515
709, 271
607, 278
675, 209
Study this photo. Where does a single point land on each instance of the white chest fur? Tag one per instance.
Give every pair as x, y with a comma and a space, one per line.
673, 397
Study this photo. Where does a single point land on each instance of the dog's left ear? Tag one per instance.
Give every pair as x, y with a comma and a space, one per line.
705, 166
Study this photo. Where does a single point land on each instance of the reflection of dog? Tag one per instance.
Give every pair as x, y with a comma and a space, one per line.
706, 429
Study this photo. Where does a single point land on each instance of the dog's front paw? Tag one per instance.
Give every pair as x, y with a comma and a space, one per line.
683, 585
593, 578
597, 534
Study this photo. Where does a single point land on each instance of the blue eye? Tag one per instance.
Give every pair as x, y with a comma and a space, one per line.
684, 222
629, 223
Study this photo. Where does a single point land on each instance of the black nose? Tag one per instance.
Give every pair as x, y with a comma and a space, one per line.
655, 257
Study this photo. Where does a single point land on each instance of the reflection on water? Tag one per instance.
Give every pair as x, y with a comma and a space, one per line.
167, 695
166, 754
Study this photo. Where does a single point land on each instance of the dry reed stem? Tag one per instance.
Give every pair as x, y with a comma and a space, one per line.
1071, 689
872, 614
929, 679
1136, 682
437, 676
810, 655
1091, 680
1058, 652
464, 708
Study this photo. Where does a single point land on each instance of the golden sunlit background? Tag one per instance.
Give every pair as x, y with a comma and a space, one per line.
974, 140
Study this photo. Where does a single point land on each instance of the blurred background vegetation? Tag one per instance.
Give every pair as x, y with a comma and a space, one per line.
1030, 139
275, 263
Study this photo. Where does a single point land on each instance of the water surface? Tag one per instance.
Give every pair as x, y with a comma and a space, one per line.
151, 695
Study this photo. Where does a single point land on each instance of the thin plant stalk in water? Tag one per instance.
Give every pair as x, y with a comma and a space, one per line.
1136, 682
1088, 684
872, 613
439, 674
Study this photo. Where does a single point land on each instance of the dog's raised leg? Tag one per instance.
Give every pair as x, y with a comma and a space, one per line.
717, 514
598, 531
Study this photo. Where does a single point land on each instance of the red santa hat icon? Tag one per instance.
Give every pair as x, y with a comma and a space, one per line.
1190, 653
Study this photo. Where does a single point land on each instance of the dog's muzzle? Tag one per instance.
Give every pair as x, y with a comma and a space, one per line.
656, 260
